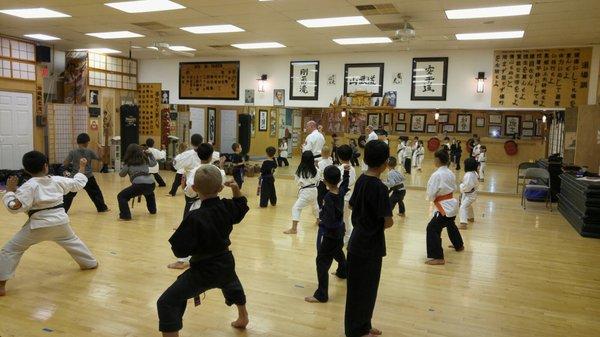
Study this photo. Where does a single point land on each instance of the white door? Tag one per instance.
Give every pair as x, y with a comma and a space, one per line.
229, 128
197, 119
16, 128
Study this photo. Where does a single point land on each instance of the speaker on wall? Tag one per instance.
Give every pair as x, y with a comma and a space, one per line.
42, 54
244, 132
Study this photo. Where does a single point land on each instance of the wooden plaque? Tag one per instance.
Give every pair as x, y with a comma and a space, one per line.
209, 80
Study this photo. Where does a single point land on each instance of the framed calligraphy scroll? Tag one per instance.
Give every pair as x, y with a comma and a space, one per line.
429, 79
209, 80
363, 77
304, 80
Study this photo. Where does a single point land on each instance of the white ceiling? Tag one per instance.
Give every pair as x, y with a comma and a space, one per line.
551, 23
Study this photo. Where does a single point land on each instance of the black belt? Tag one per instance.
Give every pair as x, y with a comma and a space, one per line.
471, 191
33, 211
308, 186
317, 156
397, 187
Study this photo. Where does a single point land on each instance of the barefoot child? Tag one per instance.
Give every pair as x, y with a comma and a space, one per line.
158, 156
267, 180
407, 157
440, 187
395, 183
41, 197
206, 154
325, 161
184, 162
468, 189
283, 153
419, 155
371, 215
92, 188
330, 238
204, 234
345, 154
307, 179
137, 165
481, 158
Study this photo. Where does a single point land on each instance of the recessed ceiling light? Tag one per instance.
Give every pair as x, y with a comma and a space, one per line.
153, 48
362, 40
212, 29
488, 12
42, 37
136, 47
181, 48
334, 22
115, 35
259, 45
35, 13
100, 50
517, 34
143, 6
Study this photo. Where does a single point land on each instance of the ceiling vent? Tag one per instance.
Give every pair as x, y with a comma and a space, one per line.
386, 27
152, 25
377, 9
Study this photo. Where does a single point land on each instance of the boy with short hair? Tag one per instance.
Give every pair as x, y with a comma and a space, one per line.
345, 155
440, 187
238, 164
321, 165
395, 183
204, 234
266, 182
92, 188
158, 156
330, 238
371, 215
41, 197
184, 163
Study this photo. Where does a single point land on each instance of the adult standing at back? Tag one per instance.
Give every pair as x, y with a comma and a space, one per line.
371, 135
315, 141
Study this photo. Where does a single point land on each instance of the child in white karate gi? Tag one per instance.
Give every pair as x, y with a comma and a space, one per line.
481, 158
307, 179
468, 189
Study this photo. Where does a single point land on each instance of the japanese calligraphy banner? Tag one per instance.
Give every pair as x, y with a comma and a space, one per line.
304, 80
541, 78
429, 79
364, 77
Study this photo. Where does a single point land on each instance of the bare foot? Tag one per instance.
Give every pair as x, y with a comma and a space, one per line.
463, 226
169, 195
435, 262
471, 220
459, 249
290, 231
104, 211
121, 219
90, 268
402, 215
375, 332
370, 335
311, 299
240, 323
178, 265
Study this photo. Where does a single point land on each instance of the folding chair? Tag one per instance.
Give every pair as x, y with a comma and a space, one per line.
541, 175
521, 173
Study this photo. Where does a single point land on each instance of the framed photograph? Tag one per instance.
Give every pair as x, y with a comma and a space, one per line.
443, 118
94, 97
463, 123
262, 120
495, 131
417, 123
390, 98
400, 127
212, 125
527, 125
512, 125
527, 132
429, 79
386, 118
249, 96
272, 122
279, 97
373, 120
495, 119
448, 128
432, 128
164, 96
363, 77
304, 80
400, 116
480, 122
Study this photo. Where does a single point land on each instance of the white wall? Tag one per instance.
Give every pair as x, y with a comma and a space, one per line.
463, 66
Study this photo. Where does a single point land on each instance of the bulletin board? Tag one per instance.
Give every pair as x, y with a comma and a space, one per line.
541, 78
209, 80
149, 105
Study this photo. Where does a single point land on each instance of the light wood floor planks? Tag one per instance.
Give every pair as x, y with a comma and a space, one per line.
523, 273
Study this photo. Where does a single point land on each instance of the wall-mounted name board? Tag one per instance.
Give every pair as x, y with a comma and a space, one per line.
209, 80
541, 78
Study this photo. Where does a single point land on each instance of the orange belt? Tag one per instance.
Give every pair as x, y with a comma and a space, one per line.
437, 204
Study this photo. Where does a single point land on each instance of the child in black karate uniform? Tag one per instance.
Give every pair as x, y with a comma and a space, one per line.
267, 180
204, 234
330, 239
371, 215
238, 164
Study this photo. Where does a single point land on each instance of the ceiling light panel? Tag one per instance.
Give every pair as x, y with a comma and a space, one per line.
42, 37
488, 12
517, 34
123, 34
181, 48
362, 40
144, 6
34, 13
213, 29
334, 22
100, 50
259, 45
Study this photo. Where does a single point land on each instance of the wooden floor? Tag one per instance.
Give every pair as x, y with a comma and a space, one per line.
523, 273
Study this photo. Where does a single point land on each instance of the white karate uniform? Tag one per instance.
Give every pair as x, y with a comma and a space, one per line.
307, 196
468, 188
347, 211
414, 148
186, 161
481, 158
40, 193
419, 154
321, 165
400, 150
158, 155
283, 150
314, 143
443, 182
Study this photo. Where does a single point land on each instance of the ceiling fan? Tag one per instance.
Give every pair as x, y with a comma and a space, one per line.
406, 33
163, 49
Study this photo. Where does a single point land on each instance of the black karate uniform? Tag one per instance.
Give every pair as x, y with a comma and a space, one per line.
238, 168
204, 234
176, 184
434, 235
397, 194
330, 239
267, 183
93, 191
407, 165
321, 191
370, 206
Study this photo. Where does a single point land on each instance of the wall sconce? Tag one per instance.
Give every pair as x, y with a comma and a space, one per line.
262, 81
437, 116
544, 119
343, 112
480, 82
